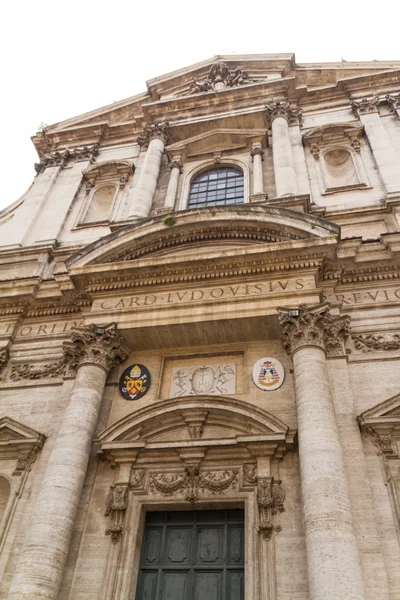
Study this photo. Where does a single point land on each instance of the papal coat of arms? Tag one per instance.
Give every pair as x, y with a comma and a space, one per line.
206, 379
134, 382
268, 373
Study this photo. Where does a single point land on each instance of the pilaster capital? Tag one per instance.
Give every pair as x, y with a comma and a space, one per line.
176, 163
101, 346
393, 101
313, 326
365, 106
283, 109
153, 131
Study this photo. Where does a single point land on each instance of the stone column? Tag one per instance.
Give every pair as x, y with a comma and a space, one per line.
154, 139
176, 169
94, 350
382, 149
281, 115
334, 567
257, 154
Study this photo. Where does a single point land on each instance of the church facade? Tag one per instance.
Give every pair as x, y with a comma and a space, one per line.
200, 342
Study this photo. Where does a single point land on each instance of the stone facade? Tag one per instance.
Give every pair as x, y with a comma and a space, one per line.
133, 308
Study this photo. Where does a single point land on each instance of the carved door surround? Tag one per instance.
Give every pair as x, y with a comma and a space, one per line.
194, 453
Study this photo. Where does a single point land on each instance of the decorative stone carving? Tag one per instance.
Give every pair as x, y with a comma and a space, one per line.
26, 460
250, 473
313, 326
283, 109
101, 346
137, 479
257, 150
195, 420
116, 506
153, 131
48, 370
270, 498
60, 159
220, 77
86, 153
192, 481
213, 380
356, 144
176, 163
393, 101
365, 106
371, 341
4, 356
314, 147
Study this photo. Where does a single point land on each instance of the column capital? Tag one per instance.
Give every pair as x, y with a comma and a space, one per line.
393, 101
4, 356
365, 106
100, 346
313, 326
176, 163
153, 131
283, 109
257, 149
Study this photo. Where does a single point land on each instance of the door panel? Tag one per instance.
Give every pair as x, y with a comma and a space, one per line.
192, 556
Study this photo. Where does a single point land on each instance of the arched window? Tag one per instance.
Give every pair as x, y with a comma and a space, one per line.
100, 205
4, 495
217, 187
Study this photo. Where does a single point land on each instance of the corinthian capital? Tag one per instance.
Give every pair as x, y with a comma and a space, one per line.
100, 346
283, 109
153, 131
365, 106
313, 326
393, 101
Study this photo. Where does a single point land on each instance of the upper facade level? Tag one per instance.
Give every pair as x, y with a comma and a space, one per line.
322, 139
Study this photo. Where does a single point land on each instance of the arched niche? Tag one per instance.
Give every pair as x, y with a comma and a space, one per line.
100, 204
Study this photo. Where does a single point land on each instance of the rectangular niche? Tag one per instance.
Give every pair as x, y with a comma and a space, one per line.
202, 375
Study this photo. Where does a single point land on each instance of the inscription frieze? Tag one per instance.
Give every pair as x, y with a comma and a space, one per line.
224, 292
371, 296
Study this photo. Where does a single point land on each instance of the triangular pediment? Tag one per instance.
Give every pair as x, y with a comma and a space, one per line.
385, 413
16, 437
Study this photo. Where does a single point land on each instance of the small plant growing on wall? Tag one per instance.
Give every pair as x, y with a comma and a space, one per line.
169, 221
41, 130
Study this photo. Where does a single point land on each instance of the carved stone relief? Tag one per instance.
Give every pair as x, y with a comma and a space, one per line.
377, 342
61, 159
220, 77
213, 380
365, 106
270, 498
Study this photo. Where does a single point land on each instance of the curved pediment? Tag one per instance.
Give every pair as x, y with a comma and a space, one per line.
183, 419
196, 230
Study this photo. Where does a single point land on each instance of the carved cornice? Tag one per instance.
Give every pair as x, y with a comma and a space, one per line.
213, 271
220, 77
153, 131
313, 326
365, 106
283, 109
377, 342
60, 159
393, 101
101, 346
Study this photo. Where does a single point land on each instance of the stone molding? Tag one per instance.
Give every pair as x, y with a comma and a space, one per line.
101, 346
154, 131
365, 106
220, 77
313, 326
283, 109
61, 159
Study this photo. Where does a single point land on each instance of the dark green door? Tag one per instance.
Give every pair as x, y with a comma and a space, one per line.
192, 556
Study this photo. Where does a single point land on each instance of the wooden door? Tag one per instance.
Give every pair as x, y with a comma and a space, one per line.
192, 556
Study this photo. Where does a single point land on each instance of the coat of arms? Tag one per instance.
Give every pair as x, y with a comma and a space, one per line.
134, 382
268, 374
205, 379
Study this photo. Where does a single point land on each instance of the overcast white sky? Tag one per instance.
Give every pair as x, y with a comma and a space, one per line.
61, 59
